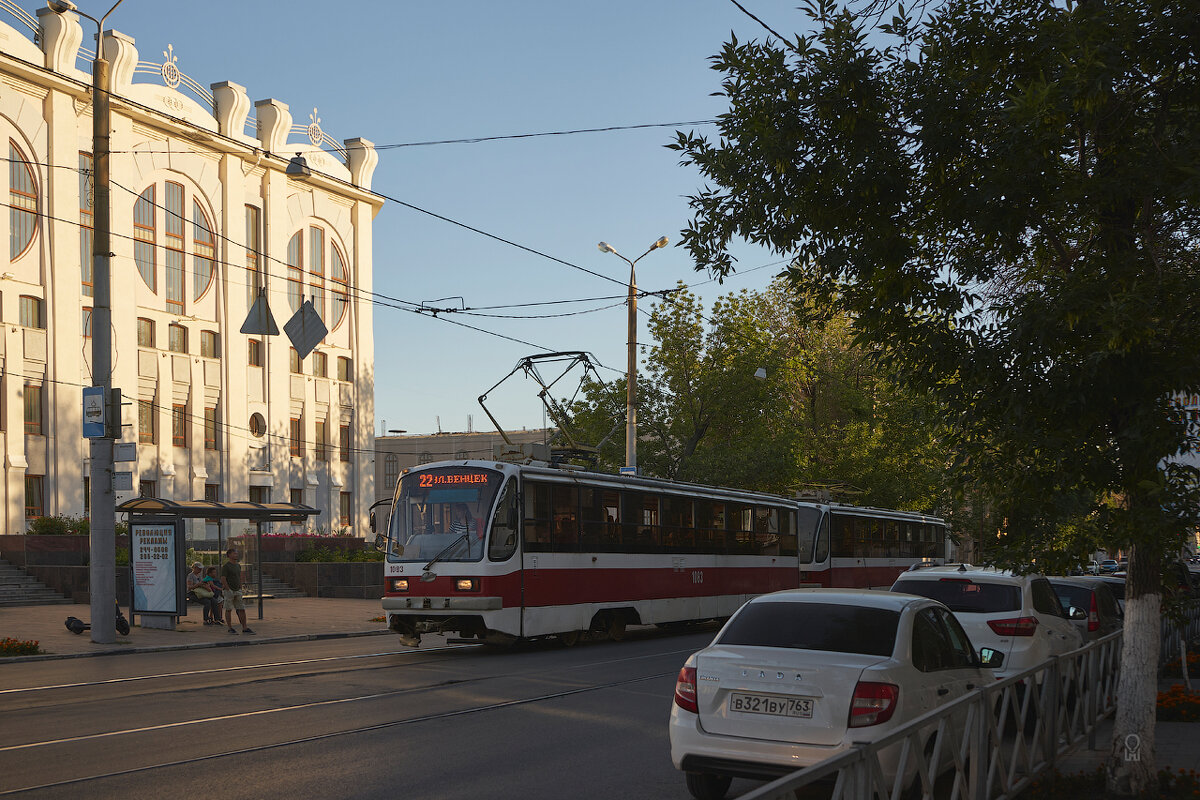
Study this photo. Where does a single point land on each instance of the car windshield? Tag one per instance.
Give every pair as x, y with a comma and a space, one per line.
814, 626
964, 594
442, 513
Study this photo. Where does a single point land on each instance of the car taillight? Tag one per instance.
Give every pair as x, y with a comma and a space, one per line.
1018, 626
685, 690
1093, 616
873, 703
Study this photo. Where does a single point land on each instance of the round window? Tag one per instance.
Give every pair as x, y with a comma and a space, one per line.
258, 425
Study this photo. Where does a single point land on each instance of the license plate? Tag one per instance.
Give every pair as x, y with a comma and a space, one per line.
772, 705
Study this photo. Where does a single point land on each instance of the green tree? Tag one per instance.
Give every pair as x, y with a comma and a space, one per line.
819, 415
1002, 196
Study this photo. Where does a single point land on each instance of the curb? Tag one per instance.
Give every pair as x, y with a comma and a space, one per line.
242, 642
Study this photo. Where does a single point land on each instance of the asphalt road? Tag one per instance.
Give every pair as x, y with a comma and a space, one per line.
357, 718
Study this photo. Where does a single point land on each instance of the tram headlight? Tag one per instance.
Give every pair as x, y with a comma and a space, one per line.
399, 584
466, 585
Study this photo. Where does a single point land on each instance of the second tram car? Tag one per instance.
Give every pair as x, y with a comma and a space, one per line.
500, 552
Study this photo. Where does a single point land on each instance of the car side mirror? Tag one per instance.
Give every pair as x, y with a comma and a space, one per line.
372, 522
991, 658
1076, 613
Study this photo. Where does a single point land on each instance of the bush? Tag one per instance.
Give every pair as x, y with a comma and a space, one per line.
336, 554
60, 525
19, 647
122, 556
1171, 670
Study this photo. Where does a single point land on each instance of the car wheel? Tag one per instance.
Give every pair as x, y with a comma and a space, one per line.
616, 630
705, 786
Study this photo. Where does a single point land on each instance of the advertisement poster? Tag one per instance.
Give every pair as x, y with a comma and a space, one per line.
154, 559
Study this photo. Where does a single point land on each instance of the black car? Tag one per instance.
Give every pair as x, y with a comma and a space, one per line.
1096, 610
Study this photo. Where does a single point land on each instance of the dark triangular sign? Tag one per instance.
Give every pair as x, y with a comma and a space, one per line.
305, 329
259, 321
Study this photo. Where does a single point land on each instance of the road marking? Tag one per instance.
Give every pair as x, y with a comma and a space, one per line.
406, 651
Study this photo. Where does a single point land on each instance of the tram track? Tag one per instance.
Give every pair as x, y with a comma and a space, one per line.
235, 668
319, 737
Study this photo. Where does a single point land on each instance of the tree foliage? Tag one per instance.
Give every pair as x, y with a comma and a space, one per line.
1003, 198
822, 417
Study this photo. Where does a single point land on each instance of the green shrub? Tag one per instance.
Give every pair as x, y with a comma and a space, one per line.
122, 556
337, 555
59, 525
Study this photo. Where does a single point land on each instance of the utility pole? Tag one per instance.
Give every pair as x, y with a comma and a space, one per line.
102, 571
631, 342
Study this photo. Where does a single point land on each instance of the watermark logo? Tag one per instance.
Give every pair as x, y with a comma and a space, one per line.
1133, 746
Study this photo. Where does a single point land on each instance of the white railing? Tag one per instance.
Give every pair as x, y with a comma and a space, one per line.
992, 743
988, 745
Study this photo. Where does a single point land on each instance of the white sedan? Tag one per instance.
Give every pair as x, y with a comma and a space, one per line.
795, 677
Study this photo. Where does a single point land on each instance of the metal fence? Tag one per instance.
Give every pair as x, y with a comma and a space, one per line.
1171, 634
992, 743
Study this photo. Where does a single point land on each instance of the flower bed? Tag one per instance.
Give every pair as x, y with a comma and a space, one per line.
1171, 670
19, 647
1178, 705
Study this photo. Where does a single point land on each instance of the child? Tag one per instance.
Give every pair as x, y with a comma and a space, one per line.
213, 582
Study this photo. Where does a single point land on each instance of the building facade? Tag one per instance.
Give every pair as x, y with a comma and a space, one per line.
204, 217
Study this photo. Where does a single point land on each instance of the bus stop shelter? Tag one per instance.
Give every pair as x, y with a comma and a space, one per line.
156, 544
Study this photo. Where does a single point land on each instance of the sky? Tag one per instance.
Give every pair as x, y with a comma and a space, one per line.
399, 73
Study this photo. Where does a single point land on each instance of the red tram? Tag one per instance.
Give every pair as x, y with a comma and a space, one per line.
500, 552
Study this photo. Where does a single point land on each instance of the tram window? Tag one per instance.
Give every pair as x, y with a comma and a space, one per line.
821, 551
679, 534
766, 531
787, 538
738, 538
710, 526
565, 534
601, 531
503, 541
844, 543
537, 517
639, 522
808, 521
878, 541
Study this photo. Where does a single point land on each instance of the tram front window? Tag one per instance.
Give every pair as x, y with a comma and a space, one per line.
442, 513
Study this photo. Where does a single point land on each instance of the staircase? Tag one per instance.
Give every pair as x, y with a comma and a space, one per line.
272, 587
19, 589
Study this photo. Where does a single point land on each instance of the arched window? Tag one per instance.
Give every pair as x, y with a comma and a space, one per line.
205, 250
87, 223
339, 287
22, 203
174, 248
324, 261
144, 235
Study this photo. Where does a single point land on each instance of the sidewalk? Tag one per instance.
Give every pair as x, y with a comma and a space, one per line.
1176, 744
285, 619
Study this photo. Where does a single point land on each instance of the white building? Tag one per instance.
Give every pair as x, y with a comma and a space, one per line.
201, 211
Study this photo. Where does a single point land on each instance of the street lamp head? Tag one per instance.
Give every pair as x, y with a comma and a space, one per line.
298, 167
61, 6
605, 247
662, 242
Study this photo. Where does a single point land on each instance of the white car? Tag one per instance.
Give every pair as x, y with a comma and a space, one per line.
1019, 615
796, 677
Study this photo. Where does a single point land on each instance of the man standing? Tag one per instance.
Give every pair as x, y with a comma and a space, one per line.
231, 579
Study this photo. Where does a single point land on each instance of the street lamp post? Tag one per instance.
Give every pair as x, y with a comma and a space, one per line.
102, 524
631, 376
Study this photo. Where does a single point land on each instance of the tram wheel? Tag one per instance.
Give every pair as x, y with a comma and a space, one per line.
616, 628
569, 639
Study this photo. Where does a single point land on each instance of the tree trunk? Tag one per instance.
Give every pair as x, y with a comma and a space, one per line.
1131, 769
